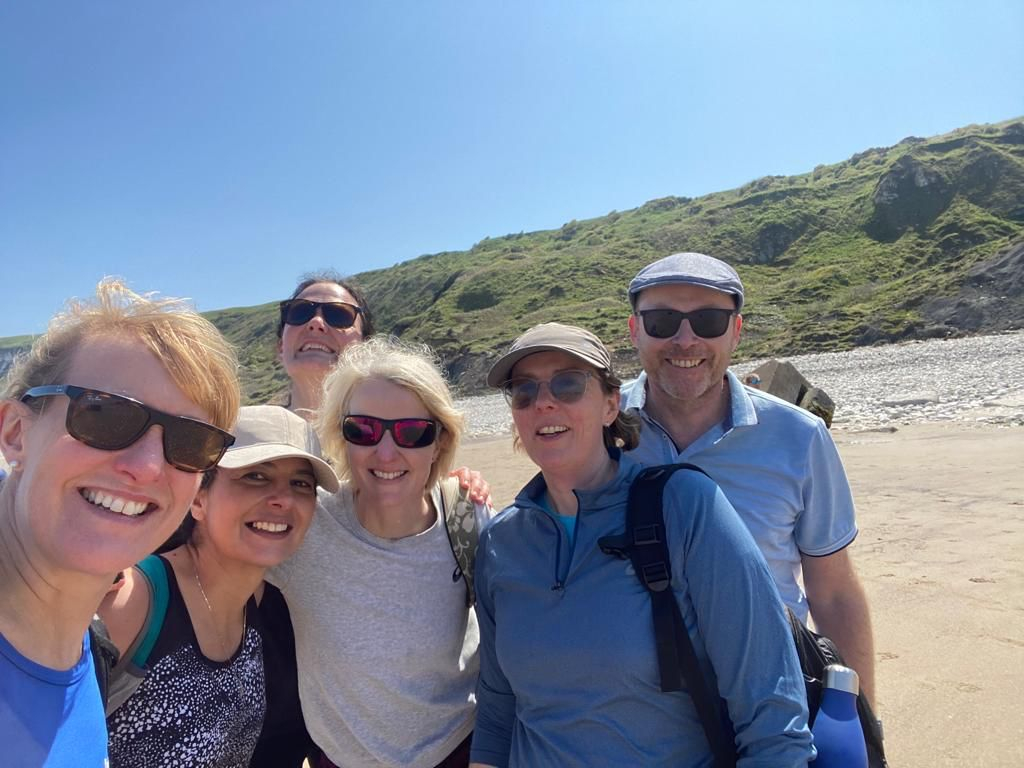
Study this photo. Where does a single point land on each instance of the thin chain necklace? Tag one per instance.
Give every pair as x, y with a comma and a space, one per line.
213, 620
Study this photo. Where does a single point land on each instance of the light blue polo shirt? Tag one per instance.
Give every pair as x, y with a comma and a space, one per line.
777, 465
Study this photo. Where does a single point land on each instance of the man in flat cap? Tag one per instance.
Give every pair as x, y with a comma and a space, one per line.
775, 462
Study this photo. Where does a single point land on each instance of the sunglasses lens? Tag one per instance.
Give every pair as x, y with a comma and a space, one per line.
297, 311
710, 323
568, 386
339, 315
192, 446
105, 421
661, 323
707, 323
521, 393
414, 433
362, 430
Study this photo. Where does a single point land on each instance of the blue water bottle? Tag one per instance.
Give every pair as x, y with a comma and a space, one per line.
838, 735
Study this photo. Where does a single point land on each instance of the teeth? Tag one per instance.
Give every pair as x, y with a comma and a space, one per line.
316, 347
114, 503
387, 475
269, 527
688, 363
552, 430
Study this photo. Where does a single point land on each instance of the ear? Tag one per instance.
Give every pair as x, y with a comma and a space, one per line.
736, 332
198, 508
611, 407
16, 420
632, 328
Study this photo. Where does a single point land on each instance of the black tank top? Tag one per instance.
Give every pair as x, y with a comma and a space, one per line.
189, 711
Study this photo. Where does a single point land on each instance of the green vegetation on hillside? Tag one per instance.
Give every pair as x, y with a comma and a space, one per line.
847, 254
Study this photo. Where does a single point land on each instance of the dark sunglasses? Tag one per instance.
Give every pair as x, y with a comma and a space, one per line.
566, 387
336, 314
112, 422
407, 433
709, 323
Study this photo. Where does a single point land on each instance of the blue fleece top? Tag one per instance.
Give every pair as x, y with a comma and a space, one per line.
779, 468
569, 671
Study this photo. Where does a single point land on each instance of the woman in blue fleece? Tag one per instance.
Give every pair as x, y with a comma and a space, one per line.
569, 672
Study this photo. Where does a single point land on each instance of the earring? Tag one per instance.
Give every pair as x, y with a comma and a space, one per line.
14, 465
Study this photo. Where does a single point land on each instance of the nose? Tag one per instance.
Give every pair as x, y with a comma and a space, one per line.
316, 322
386, 448
282, 495
144, 459
684, 334
544, 397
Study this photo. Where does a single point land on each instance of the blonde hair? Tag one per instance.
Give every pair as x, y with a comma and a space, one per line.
196, 356
414, 368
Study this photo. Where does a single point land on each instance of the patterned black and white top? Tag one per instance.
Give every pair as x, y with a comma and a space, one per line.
189, 711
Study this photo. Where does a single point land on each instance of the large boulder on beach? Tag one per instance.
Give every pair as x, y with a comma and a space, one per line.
783, 380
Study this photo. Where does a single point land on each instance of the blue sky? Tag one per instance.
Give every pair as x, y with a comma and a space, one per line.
216, 150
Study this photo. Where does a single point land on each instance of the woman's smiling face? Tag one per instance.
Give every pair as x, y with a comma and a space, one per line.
312, 348
565, 438
54, 519
386, 472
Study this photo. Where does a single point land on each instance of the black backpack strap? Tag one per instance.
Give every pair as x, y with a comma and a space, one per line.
646, 546
104, 655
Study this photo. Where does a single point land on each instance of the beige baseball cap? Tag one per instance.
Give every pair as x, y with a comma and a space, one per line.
553, 337
270, 432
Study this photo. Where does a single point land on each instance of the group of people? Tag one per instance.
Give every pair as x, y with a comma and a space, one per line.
315, 604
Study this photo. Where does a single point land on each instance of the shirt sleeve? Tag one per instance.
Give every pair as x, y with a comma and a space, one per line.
495, 702
828, 520
736, 620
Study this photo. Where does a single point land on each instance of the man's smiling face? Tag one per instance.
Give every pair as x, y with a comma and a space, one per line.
684, 367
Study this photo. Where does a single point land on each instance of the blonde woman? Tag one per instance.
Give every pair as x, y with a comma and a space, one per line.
386, 644
107, 424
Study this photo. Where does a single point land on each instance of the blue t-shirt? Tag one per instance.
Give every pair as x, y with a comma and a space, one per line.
49, 717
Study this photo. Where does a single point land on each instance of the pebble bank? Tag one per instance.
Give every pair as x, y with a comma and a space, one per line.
977, 380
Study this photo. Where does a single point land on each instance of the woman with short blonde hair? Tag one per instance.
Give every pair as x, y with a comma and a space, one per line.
385, 638
92, 490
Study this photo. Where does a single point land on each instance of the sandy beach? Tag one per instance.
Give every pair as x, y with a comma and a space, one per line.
941, 553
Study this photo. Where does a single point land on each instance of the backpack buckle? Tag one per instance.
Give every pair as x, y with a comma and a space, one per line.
645, 535
656, 576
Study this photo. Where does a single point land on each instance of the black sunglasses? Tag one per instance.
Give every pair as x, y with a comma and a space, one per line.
336, 314
112, 422
407, 433
708, 323
565, 386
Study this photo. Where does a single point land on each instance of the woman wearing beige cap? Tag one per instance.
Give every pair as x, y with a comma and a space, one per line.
201, 698
568, 662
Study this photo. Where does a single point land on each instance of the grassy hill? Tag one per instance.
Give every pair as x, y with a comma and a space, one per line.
918, 240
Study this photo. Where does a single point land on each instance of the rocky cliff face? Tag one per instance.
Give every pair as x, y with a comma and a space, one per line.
990, 299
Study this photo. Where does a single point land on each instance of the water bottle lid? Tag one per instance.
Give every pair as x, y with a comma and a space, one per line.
842, 679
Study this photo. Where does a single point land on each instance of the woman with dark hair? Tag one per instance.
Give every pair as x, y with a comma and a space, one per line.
324, 314
107, 423
568, 666
201, 702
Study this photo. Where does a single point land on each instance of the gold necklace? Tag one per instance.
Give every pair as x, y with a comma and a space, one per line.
213, 619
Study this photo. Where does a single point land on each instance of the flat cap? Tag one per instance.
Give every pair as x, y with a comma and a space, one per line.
688, 269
